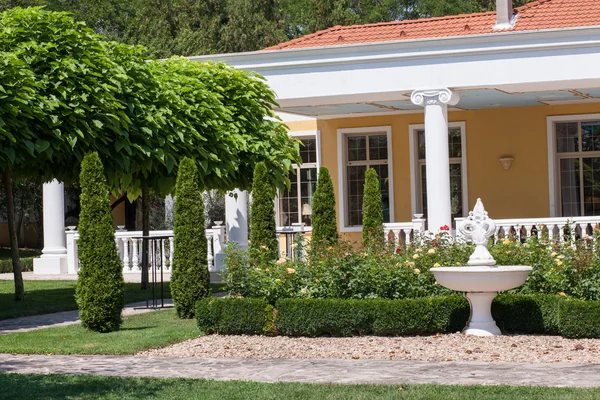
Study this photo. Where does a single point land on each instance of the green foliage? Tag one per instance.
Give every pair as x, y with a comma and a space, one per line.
579, 319
324, 225
372, 209
318, 317
263, 242
234, 316
531, 314
99, 293
345, 270
26, 265
190, 280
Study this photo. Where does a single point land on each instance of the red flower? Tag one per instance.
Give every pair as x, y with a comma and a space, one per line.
435, 244
398, 250
444, 228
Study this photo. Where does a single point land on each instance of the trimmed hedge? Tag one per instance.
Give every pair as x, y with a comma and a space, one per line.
532, 314
234, 316
100, 292
190, 279
26, 265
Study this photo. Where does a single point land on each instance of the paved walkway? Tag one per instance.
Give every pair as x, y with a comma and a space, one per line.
24, 324
312, 371
30, 276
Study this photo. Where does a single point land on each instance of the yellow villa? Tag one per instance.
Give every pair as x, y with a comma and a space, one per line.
502, 106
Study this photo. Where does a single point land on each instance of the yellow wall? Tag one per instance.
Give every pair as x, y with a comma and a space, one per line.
520, 192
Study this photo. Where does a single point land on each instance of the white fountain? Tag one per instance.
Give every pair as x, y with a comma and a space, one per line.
481, 280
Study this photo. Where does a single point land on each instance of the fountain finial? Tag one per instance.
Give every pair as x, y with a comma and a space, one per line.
478, 228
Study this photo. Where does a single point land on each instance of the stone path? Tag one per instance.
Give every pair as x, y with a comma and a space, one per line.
24, 324
311, 371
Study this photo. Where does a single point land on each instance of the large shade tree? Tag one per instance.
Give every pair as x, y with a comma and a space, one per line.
76, 93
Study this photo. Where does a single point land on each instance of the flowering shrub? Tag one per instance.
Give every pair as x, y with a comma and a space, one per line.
348, 272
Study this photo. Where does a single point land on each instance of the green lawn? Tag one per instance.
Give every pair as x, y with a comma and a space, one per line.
53, 387
139, 332
43, 297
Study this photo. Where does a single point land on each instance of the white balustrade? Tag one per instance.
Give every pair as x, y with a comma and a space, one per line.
129, 247
403, 233
562, 229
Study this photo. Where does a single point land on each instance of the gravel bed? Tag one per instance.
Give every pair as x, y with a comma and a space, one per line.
451, 347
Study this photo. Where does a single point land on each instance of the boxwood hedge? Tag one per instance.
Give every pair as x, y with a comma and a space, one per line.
530, 314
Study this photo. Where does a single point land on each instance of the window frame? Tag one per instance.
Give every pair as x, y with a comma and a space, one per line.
415, 166
342, 146
554, 181
316, 134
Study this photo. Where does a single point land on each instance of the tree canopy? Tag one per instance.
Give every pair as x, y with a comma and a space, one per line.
192, 27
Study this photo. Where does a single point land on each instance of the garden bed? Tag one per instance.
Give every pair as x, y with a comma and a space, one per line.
448, 347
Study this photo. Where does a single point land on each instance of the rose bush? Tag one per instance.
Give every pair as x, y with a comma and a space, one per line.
348, 271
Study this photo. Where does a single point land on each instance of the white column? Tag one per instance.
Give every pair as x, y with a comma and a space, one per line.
54, 254
435, 103
236, 216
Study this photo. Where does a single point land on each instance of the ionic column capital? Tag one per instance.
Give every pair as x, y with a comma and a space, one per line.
434, 97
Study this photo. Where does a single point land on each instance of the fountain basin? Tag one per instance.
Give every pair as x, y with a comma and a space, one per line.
480, 285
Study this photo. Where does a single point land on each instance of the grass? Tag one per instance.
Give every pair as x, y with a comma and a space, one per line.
53, 387
139, 332
44, 297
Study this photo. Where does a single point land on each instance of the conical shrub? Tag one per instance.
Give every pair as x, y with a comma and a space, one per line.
190, 279
263, 242
99, 293
324, 225
372, 228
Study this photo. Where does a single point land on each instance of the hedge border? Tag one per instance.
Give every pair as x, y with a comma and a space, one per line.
26, 265
529, 314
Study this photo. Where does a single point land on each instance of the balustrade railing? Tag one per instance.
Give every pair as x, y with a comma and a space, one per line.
129, 246
563, 229
403, 233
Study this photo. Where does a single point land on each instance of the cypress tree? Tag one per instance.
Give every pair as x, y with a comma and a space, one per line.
262, 216
190, 279
324, 226
372, 228
99, 293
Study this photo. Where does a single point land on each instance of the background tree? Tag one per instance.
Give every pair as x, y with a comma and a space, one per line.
372, 223
99, 293
190, 280
263, 241
324, 222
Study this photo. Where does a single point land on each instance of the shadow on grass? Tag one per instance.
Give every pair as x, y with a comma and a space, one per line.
17, 386
139, 328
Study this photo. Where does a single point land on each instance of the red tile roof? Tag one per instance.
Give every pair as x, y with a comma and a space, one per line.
540, 14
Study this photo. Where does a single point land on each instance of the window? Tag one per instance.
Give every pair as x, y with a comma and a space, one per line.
577, 146
458, 169
364, 148
295, 204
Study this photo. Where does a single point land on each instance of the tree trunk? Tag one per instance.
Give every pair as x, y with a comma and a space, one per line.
145, 234
14, 243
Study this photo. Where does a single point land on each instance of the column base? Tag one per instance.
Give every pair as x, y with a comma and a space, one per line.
56, 265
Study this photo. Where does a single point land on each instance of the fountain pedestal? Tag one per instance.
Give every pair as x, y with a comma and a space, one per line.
481, 322
481, 280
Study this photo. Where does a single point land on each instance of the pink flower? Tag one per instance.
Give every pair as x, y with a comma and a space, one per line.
444, 228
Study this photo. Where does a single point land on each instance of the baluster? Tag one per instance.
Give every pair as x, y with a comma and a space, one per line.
210, 256
540, 231
126, 261
561, 234
171, 251
573, 235
496, 234
386, 234
406, 236
528, 229
163, 260
135, 255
